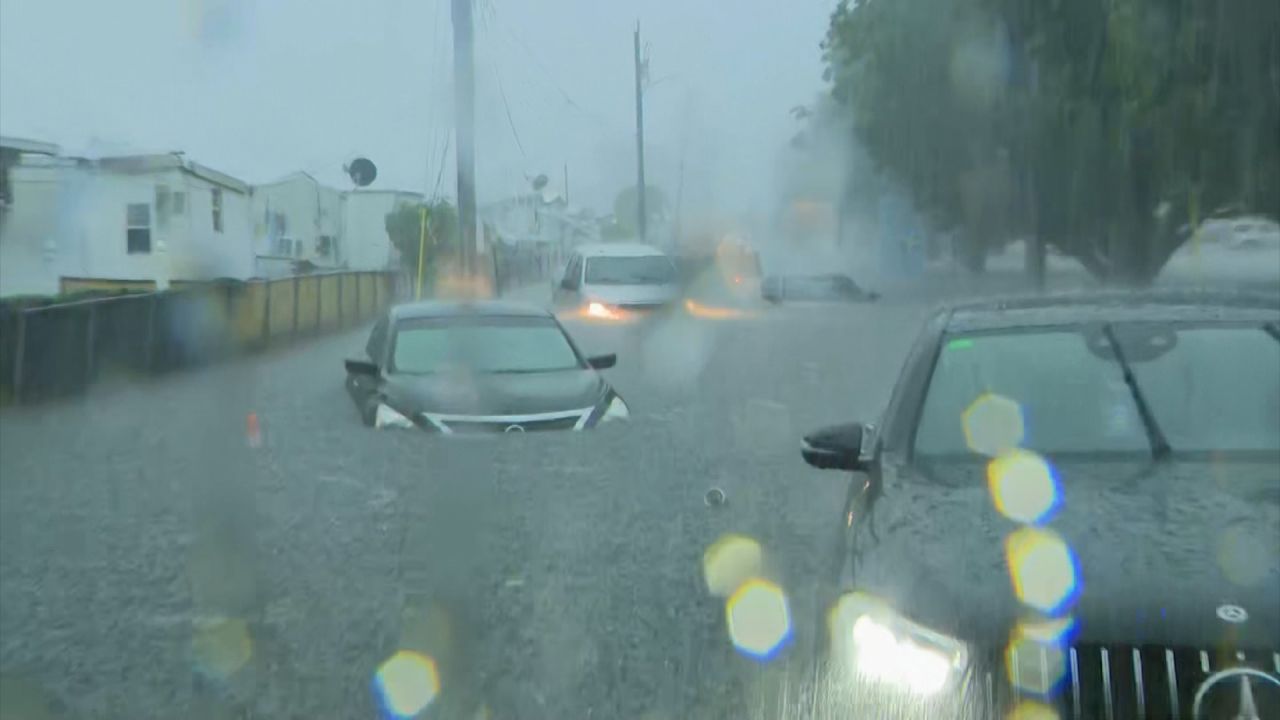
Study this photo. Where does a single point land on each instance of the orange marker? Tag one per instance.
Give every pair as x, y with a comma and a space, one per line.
252, 430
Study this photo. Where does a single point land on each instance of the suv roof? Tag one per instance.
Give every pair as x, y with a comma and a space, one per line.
458, 308
1108, 306
618, 250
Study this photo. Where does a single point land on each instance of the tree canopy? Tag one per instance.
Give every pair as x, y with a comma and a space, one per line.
1102, 127
404, 228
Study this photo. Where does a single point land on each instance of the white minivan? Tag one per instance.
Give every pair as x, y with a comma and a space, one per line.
610, 281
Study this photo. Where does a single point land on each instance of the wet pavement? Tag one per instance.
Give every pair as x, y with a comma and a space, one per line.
155, 563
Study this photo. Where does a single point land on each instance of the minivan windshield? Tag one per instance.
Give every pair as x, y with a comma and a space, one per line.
638, 270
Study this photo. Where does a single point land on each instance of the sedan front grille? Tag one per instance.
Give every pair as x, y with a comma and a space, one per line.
479, 427
1119, 682
491, 424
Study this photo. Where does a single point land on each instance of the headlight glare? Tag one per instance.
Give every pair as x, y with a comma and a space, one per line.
600, 310
879, 645
881, 655
386, 416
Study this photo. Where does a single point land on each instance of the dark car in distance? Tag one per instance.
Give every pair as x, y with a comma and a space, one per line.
1070, 505
832, 287
479, 367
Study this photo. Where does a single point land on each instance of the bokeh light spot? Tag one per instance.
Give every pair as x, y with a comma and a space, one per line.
759, 619
1027, 710
1034, 667
1042, 569
222, 646
1050, 631
1244, 556
1023, 487
729, 562
992, 424
406, 684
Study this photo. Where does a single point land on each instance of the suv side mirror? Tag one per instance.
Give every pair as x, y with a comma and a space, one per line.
837, 447
362, 367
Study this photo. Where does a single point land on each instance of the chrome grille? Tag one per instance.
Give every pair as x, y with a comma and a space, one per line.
1120, 682
463, 427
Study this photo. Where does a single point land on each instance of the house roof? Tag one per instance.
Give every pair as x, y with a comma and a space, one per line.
28, 146
170, 161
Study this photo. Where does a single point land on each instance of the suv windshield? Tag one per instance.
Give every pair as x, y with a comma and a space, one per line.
1208, 389
643, 270
497, 345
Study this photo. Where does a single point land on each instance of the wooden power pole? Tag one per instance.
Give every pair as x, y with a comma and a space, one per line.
640, 193
465, 116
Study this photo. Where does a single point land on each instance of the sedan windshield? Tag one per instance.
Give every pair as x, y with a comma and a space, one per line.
1206, 389
642, 270
495, 345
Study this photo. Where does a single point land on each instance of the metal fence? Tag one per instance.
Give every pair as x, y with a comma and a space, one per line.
57, 350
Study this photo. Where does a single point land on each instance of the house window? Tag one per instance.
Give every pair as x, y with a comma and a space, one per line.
284, 246
217, 210
178, 202
138, 228
324, 245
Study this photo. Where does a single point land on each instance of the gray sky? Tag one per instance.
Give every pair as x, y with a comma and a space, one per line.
260, 88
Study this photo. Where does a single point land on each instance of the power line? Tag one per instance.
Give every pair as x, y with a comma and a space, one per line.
435, 194
510, 122
542, 67
433, 114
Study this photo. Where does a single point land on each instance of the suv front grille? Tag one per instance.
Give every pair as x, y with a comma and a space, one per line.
1118, 682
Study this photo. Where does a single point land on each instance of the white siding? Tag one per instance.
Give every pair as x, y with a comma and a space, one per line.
28, 247
69, 219
368, 246
310, 211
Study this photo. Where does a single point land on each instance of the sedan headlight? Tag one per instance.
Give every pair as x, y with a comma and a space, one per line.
386, 416
877, 644
616, 410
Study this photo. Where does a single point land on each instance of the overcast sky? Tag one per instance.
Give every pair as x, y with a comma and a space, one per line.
260, 88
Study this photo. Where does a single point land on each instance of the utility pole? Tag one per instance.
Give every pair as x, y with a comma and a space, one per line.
640, 193
566, 186
465, 116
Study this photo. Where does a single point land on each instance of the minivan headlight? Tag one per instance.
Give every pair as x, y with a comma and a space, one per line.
602, 311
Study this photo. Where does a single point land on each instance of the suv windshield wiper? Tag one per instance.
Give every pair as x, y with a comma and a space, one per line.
1159, 444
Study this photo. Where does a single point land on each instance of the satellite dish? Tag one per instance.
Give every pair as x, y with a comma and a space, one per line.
540, 182
362, 171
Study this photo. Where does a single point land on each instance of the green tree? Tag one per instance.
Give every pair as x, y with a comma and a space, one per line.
1097, 126
404, 229
626, 215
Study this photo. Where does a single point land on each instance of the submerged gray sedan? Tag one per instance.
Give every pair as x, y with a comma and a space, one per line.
479, 367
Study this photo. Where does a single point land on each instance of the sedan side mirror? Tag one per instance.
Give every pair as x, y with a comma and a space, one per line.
838, 447
603, 362
362, 367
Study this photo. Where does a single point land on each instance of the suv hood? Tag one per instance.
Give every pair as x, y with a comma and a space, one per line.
1162, 555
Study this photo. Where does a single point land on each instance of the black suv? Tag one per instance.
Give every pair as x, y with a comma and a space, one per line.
1070, 508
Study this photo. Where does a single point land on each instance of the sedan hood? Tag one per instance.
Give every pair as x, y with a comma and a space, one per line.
631, 294
497, 394
1179, 555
